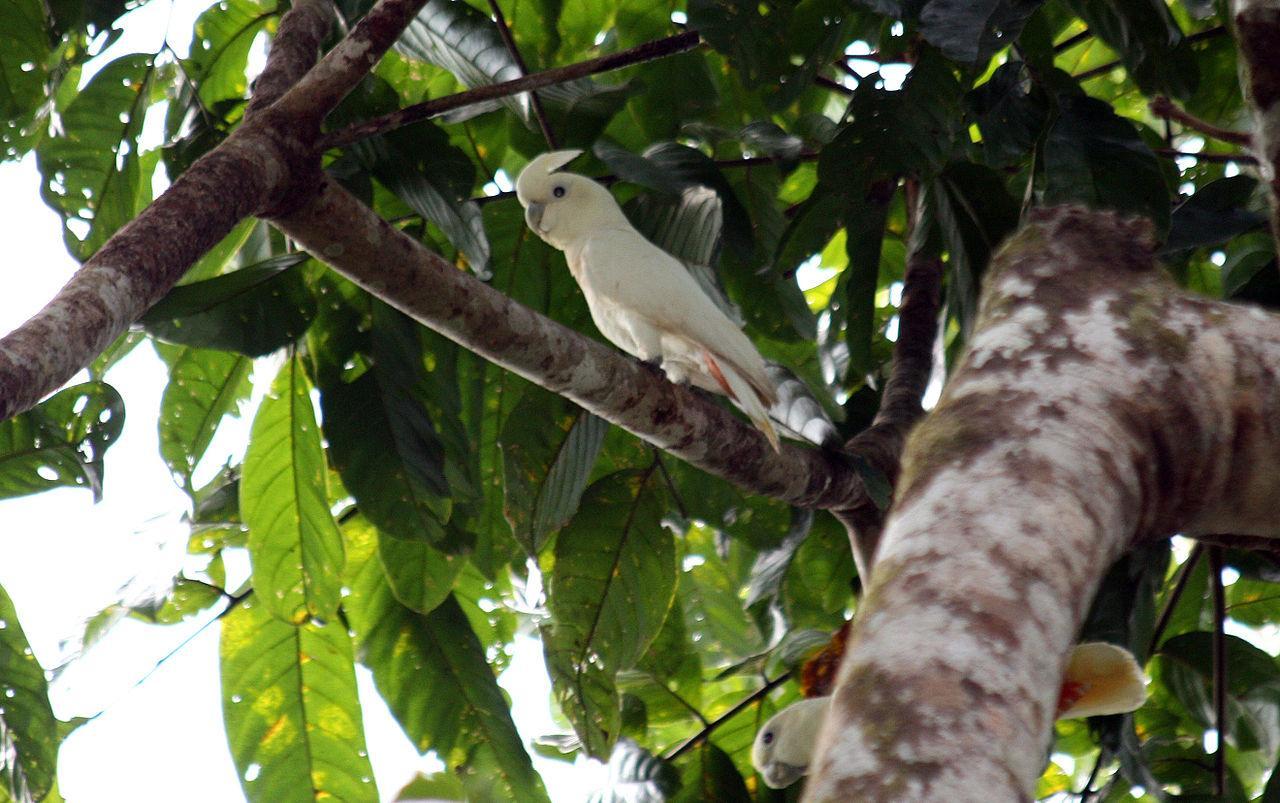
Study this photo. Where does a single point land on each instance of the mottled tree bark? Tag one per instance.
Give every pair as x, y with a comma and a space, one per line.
1257, 29
1098, 404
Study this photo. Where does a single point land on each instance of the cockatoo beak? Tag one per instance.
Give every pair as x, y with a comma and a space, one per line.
533, 216
779, 776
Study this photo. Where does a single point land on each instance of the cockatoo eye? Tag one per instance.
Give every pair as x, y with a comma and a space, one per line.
767, 738
558, 192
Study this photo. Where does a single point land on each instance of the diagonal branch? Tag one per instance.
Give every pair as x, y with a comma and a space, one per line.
432, 108
1165, 108
262, 166
293, 51
407, 275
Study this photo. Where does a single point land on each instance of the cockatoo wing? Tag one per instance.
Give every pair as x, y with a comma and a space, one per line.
627, 271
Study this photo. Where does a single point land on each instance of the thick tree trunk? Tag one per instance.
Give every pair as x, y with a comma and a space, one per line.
1098, 404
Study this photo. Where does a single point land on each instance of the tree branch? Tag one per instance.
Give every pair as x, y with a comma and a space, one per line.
431, 108
534, 101
900, 403
1165, 108
422, 284
1175, 594
293, 51
1257, 29
709, 728
263, 167
1238, 158
1098, 405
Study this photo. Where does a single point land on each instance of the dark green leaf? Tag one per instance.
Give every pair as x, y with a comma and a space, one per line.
1094, 157
709, 776
253, 311
1148, 39
972, 31
22, 74
203, 387
1010, 112
549, 446
1214, 214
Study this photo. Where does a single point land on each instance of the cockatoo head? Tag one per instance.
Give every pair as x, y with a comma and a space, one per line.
564, 207
784, 746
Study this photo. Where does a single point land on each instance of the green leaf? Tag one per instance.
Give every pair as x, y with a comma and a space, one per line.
457, 37
203, 387
293, 717
1147, 37
22, 74
1216, 213
972, 31
432, 671
1010, 112
94, 176
611, 587
384, 443
294, 543
708, 775
254, 310
61, 442
220, 45
549, 446
1094, 157
28, 731
975, 212
436, 186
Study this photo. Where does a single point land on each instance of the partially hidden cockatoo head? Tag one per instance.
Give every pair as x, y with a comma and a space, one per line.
784, 745
564, 207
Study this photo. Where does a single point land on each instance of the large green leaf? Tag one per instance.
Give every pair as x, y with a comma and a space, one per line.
220, 45
293, 717
610, 589
28, 732
457, 37
432, 671
1093, 156
1148, 39
972, 31
22, 73
61, 442
203, 387
549, 446
708, 775
294, 543
94, 175
254, 310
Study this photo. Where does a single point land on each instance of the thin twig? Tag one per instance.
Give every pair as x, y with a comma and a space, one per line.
834, 86
432, 108
1161, 106
1103, 69
1171, 602
700, 736
534, 100
1072, 41
610, 178
671, 486
1219, 670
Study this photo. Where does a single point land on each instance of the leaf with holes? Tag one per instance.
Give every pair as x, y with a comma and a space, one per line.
293, 541
204, 386
61, 442
293, 716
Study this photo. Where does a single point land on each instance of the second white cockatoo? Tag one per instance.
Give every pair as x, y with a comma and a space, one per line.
1100, 678
641, 298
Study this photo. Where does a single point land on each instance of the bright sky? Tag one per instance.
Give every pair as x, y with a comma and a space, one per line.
163, 733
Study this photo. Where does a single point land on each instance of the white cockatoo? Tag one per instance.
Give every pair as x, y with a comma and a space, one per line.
1100, 679
641, 298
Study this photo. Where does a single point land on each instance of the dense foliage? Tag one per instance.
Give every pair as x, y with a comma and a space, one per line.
411, 507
